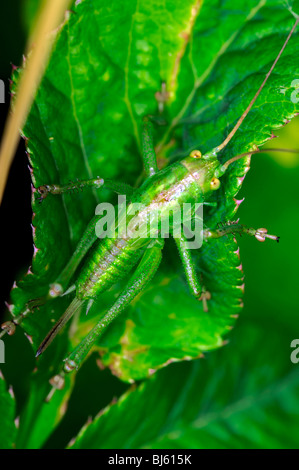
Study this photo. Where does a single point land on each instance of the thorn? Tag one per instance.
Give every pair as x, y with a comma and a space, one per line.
33, 231
241, 287
72, 442
29, 338
89, 420
11, 392
273, 136
100, 364
238, 201
89, 305
237, 252
35, 250
240, 179
8, 306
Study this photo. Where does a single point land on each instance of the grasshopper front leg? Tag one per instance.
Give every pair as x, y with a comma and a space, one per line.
58, 287
232, 228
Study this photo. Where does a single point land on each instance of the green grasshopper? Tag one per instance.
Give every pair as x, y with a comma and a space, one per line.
109, 260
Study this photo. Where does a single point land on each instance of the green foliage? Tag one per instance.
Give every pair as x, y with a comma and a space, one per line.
236, 403
7, 412
107, 65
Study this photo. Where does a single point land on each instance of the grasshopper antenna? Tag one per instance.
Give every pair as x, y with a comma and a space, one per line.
234, 130
246, 154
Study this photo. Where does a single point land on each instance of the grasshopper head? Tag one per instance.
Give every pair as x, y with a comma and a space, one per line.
206, 169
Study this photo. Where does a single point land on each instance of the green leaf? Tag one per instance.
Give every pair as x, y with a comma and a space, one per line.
231, 399
158, 330
8, 428
106, 68
41, 416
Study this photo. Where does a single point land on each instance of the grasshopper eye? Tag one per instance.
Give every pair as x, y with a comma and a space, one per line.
215, 184
195, 154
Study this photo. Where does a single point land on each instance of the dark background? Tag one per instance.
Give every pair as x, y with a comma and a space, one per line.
15, 210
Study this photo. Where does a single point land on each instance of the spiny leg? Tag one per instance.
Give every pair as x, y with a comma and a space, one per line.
74, 306
148, 149
141, 277
87, 240
199, 291
96, 183
234, 227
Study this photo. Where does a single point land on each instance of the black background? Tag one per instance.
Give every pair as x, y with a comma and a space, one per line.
15, 211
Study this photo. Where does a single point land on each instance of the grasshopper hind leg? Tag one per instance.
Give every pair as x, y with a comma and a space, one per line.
59, 286
139, 280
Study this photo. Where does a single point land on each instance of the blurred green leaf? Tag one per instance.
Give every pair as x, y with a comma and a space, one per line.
40, 417
7, 412
242, 396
